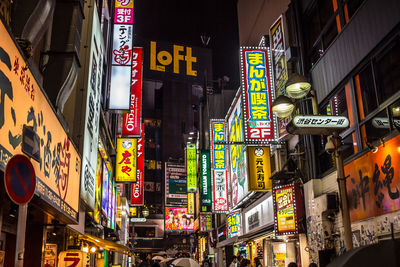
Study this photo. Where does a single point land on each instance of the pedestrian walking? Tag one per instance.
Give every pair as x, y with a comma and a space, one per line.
245, 263
257, 262
234, 261
206, 262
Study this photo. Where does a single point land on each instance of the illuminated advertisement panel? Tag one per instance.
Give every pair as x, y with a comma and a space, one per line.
121, 65
205, 191
257, 94
137, 193
234, 224
126, 160
131, 120
219, 164
23, 102
237, 153
105, 193
190, 203
205, 222
175, 184
90, 78
178, 219
286, 198
191, 168
278, 55
99, 181
259, 168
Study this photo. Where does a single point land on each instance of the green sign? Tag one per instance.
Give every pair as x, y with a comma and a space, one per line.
205, 181
191, 168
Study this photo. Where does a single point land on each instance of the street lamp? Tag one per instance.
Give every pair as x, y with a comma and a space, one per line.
297, 87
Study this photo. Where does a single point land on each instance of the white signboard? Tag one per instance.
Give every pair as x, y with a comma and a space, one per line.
259, 216
93, 58
321, 121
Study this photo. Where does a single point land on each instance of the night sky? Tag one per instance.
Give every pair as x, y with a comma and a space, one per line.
183, 22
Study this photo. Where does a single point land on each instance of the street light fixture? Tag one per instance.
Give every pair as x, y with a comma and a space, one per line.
297, 87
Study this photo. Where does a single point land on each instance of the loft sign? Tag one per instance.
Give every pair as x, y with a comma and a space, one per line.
159, 60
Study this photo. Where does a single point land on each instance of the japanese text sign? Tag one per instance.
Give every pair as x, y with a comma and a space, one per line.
105, 188
237, 153
126, 160
205, 181
259, 168
73, 258
205, 222
137, 189
219, 163
257, 94
122, 57
285, 208
190, 203
123, 12
92, 80
131, 121
178, 219
317, 124
24, 103
99, 181
373, 182
175, 184
278, 55
233, 224
191, 167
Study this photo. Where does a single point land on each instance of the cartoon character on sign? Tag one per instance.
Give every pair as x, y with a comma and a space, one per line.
124, 2
123, 55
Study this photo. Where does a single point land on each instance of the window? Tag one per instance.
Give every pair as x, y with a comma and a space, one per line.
365, 91
350, 7
388, 71
376, 128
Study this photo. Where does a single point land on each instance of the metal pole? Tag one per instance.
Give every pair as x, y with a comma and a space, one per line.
21, 228
348, 241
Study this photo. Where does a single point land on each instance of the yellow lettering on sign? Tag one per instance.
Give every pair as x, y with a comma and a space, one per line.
165, 58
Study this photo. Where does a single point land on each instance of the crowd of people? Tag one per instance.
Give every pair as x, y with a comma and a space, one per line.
241, 261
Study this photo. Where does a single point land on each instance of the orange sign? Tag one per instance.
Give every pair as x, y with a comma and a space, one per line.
373, 182
22, 102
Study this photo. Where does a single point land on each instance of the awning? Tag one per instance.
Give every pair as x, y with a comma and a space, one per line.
227, 242
108, 245
253, 235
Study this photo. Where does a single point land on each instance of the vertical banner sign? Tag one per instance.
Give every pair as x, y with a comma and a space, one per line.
278, 55
205, 193
92, 80
137, 193
104, 192
99, 181
234, 223
190, 203
191, 168
131, 121
237, 153
121, 65
259, 168
219, 163
257, 94
205, 222
126, 160
285, 209
175, 185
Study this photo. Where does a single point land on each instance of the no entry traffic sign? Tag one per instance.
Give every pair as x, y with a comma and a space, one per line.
20, 179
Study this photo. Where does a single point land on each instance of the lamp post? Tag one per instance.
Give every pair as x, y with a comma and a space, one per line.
283, 106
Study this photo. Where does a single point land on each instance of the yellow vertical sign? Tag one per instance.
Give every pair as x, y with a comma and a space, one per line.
259, 158
190, 203
126, 160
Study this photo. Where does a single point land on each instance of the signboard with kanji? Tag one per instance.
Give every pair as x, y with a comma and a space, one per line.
191, 202
126, 160
131, 120
205, 186
121, 65
317, 124
237, 152
219, 164
257, 94
234, 224
23, 102
137, 189
175, 184
191, 167
73, 258
205, 222
288, 208
373, 182
278, 55
259, 168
